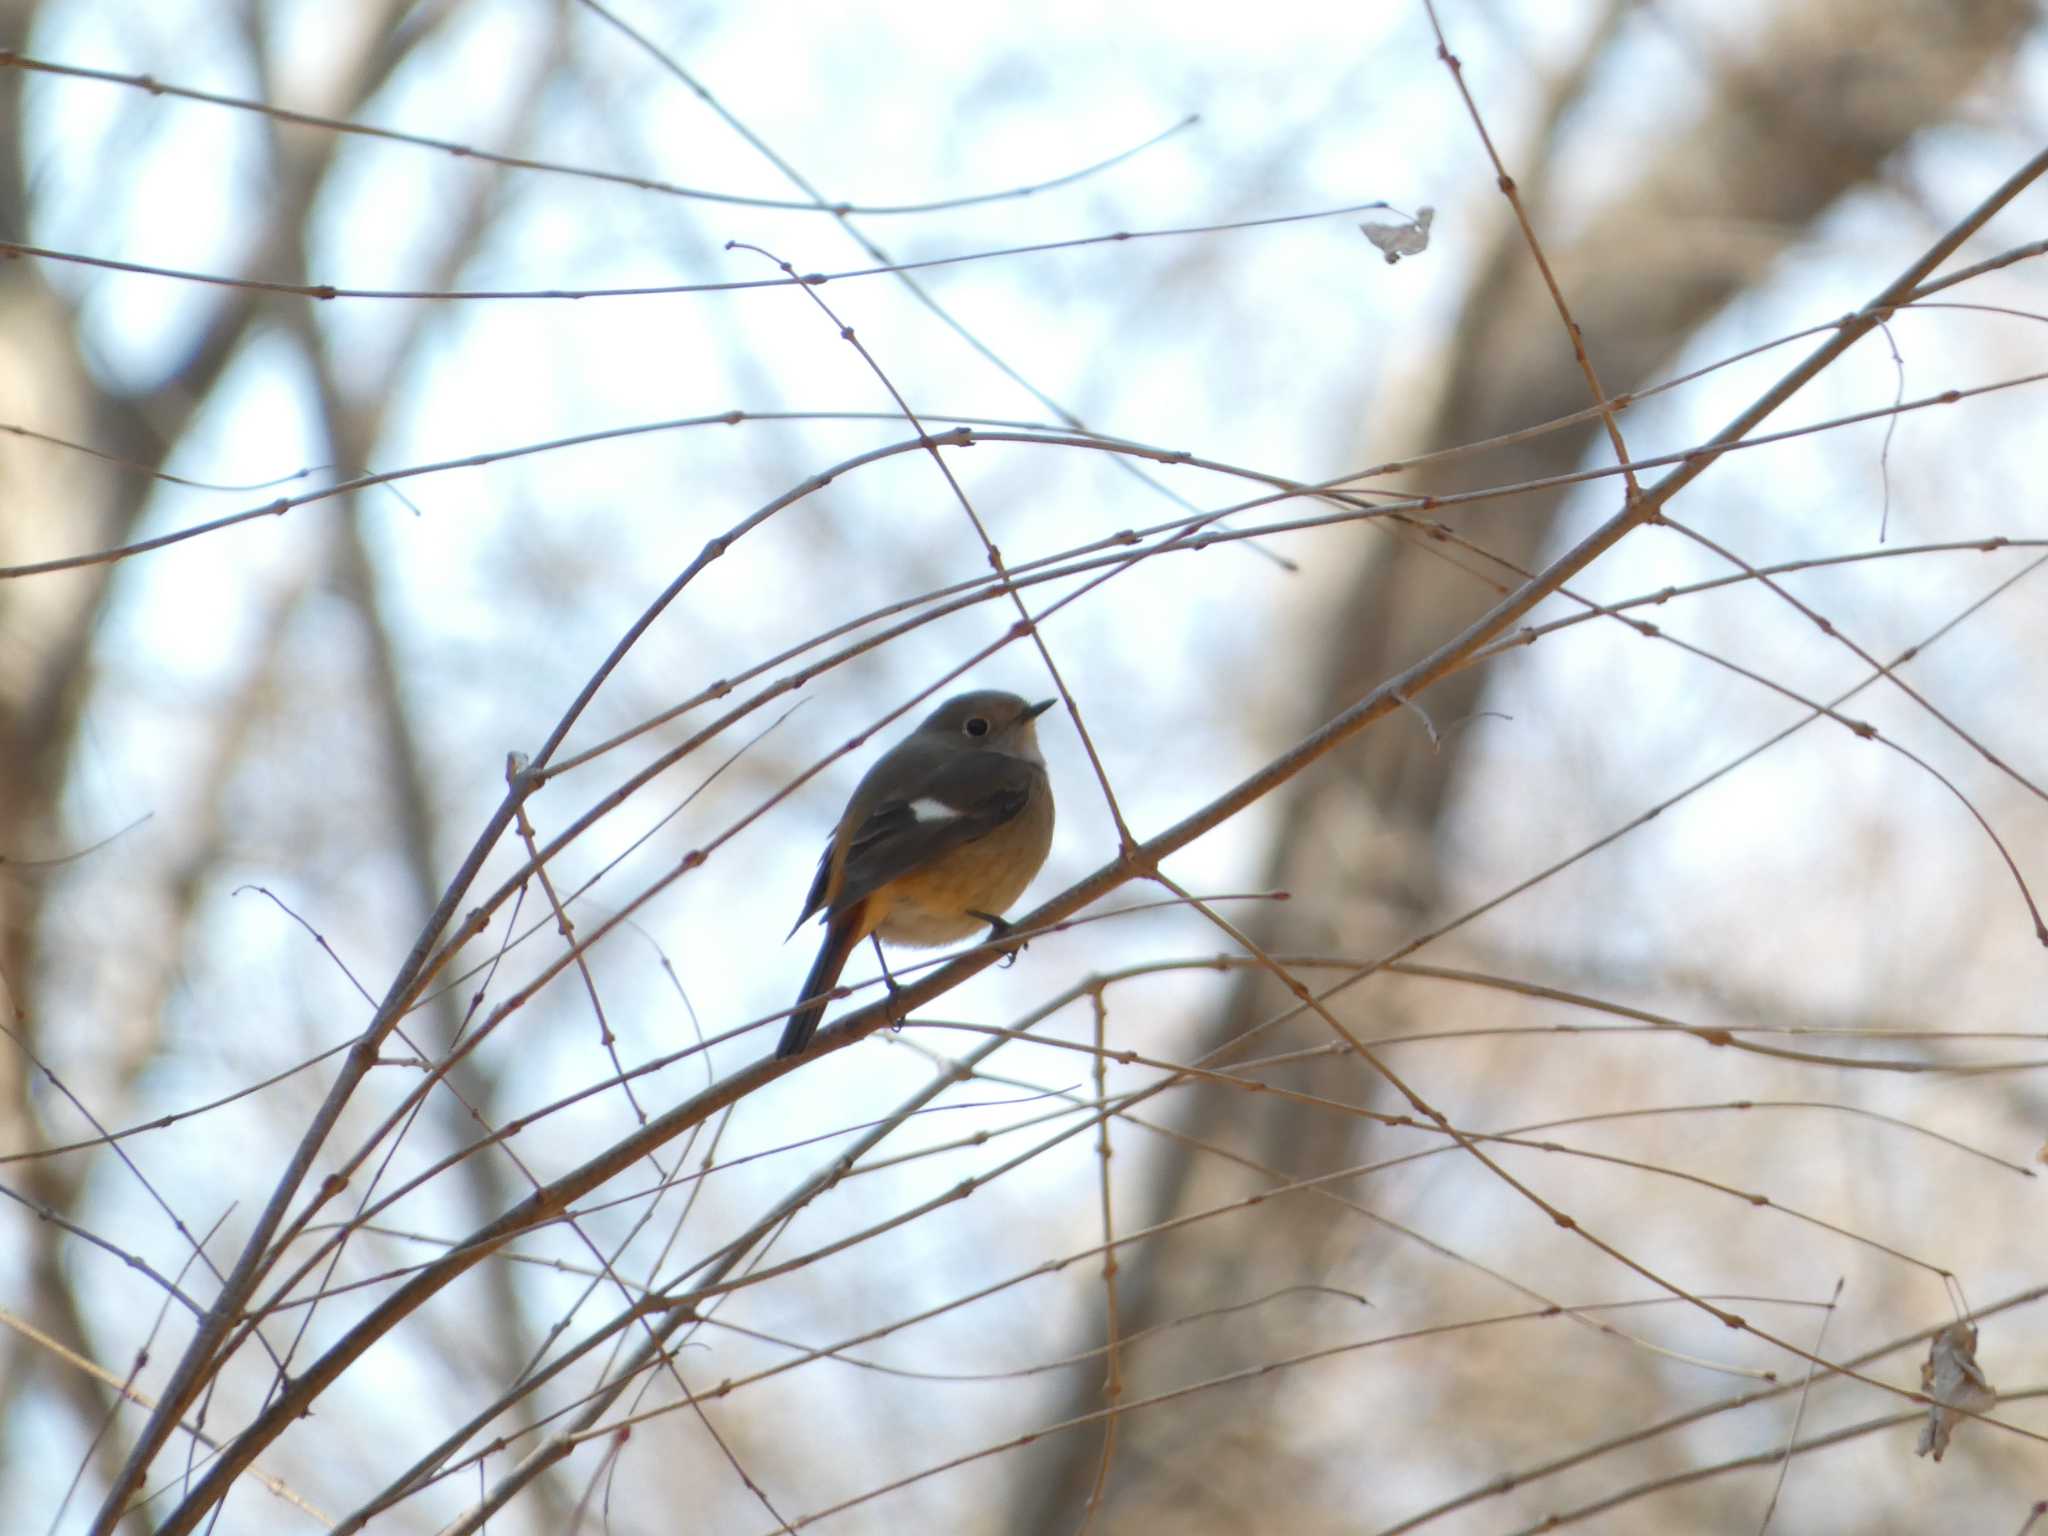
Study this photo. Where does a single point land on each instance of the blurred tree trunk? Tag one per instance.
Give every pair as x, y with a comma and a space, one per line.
1826, 94
52, 624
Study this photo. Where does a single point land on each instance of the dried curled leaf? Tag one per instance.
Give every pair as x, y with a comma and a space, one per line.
1951, 1376
1410, 237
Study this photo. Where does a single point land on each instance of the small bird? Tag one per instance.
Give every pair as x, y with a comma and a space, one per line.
941, 835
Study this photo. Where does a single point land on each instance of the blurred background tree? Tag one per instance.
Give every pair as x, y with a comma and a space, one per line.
1791, 1019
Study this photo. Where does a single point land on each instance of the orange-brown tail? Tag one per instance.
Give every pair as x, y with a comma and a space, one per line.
842, 933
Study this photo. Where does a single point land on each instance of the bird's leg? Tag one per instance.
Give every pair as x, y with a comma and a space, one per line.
881, 959
998, 930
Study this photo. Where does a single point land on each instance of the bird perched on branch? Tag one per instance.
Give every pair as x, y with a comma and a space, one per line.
941, 835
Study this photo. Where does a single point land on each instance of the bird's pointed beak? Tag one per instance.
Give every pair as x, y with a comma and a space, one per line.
1039, 708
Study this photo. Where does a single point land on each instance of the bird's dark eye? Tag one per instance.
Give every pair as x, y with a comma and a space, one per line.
976, 727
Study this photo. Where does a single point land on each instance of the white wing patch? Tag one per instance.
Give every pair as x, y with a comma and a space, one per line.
929, 809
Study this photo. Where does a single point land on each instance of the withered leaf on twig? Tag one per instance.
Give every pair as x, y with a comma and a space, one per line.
1951, 1376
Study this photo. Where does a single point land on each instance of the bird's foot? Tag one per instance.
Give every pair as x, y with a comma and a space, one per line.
998, 930
888, 980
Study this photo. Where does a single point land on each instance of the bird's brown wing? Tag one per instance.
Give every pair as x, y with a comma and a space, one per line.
967, 798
